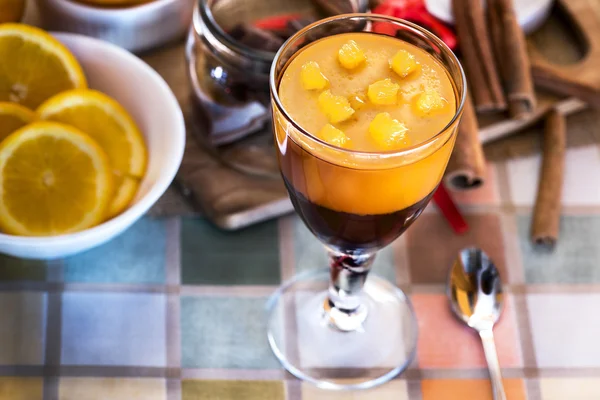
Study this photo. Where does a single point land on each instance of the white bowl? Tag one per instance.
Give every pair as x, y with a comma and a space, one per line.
135, 28
150, 101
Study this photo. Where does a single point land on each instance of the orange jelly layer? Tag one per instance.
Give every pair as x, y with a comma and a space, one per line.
338, 180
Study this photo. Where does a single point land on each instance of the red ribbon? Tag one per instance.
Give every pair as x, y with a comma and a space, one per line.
448, 208
414, 11
277, 23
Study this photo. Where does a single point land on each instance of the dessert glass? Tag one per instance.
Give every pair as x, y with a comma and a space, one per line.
338, 329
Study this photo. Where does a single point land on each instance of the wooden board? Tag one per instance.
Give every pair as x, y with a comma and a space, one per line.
580, 79
567, 81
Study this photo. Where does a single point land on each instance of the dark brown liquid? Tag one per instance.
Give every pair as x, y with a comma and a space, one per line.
351, 232
342, 231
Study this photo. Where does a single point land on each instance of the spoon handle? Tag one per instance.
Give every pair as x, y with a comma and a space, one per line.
489, 348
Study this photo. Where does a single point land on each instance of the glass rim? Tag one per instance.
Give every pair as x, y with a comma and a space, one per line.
383, 18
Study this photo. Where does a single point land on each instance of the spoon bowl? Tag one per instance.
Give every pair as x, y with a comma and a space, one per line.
475, 294
475, 289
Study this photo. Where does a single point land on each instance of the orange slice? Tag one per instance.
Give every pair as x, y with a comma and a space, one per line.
109, 124
13, 117
35, 66
53, 180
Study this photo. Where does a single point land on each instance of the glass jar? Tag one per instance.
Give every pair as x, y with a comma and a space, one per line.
230, 80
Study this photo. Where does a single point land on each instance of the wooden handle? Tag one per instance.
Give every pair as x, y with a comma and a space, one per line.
582, 79
556, 80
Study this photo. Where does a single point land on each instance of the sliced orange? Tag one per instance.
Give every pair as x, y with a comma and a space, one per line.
109, 124
54, 180
35, 66
13, 117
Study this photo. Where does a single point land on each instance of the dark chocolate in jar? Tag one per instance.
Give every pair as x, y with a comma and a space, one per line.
270, 41
256, 38
225, 85
230, 73
334, 7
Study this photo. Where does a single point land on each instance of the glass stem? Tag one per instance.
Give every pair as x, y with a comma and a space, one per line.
344, 308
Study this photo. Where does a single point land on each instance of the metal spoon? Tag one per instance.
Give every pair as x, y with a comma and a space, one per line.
475, 293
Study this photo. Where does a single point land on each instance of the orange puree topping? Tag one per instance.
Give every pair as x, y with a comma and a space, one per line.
369, 93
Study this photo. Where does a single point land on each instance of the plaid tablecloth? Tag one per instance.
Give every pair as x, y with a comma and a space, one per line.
173, 308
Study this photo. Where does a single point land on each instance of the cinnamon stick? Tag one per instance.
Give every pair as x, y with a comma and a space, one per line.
466, 168
478, 57
510, 49
566, 84
294, 25
546, 214
256, 38
375, 3
335, 7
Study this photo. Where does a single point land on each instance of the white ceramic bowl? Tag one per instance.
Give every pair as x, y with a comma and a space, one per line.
150, 101
135, 28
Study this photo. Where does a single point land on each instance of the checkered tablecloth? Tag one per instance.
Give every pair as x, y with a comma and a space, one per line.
173, 308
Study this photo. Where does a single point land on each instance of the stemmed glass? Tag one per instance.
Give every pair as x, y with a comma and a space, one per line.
336, 328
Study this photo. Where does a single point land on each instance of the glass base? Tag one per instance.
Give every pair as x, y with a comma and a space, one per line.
311, 348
